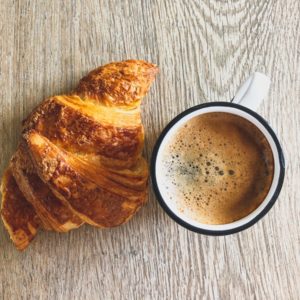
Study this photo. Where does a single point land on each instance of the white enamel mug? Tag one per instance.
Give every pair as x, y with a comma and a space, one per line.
244, 104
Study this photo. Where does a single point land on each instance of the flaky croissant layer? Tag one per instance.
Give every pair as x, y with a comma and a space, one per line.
79, 159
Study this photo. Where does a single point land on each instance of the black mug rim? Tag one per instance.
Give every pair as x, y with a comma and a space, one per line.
175, 217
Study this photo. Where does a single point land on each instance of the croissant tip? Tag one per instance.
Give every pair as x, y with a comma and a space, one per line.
122, 83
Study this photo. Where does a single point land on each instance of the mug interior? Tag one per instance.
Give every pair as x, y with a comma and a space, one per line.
159, 176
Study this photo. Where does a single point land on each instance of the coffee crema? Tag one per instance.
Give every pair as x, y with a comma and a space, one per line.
219, 168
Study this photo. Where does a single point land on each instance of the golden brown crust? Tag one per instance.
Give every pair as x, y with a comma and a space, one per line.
98, 200
77, 132
18, 215
79, 159
49, 209
121, 83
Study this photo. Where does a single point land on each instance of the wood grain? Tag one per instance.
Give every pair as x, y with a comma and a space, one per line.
204, 49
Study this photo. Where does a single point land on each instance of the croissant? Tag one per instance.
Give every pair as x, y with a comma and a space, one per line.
79, 159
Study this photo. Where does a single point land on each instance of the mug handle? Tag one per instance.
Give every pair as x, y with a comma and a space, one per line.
253, 91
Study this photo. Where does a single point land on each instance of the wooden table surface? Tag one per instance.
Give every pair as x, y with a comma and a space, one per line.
204, 49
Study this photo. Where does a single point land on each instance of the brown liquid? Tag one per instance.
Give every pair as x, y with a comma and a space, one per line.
219, 168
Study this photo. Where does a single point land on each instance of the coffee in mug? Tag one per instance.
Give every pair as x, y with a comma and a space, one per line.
219, 168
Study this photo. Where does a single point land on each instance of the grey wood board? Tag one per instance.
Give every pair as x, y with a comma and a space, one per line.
204, 49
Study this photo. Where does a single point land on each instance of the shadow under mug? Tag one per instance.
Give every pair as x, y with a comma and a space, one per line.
245, 102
